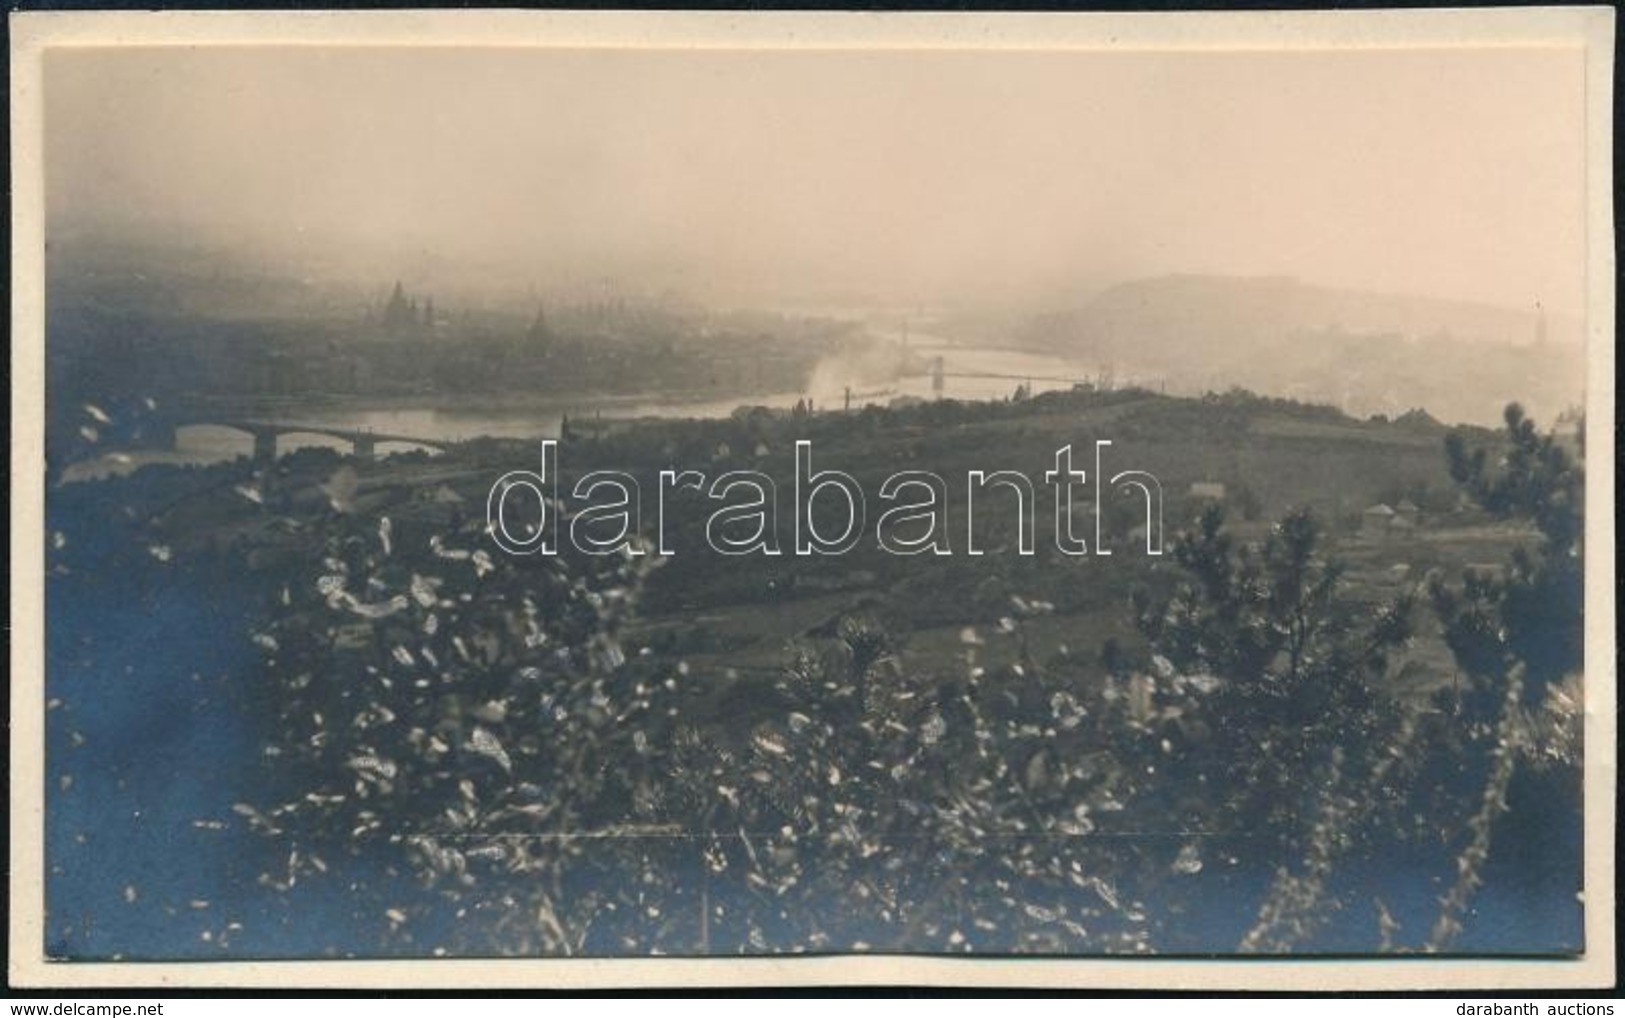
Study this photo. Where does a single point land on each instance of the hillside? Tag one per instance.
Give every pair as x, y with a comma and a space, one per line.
1364, 352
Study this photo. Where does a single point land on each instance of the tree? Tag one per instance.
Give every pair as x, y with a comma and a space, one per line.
1534, 614
1519, 637
473, 717
1298, 668
1298, 738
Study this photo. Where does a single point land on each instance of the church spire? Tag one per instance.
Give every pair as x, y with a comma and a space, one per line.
397, 313
540, 335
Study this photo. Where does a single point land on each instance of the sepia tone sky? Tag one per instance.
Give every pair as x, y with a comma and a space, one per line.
908, 176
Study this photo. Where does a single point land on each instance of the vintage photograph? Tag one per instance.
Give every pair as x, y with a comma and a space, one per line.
543, 498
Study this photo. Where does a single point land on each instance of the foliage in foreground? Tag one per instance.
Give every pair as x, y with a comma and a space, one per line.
557, 792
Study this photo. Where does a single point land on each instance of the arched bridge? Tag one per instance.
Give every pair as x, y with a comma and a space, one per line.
363, 441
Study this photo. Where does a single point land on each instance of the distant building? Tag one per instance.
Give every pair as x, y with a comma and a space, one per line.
1211, 490
401, 315
439, 504
1376, 520
1417, 418
596, 428
540, 335
1407, 512
397, 312
440, 495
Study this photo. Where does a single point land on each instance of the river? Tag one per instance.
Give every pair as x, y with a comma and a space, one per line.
971, 373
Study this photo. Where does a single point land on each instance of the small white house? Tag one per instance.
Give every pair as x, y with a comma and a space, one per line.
1376, 520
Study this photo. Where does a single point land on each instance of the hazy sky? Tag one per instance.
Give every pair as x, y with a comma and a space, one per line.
917, 176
